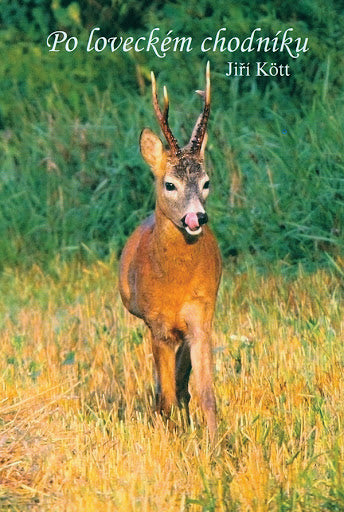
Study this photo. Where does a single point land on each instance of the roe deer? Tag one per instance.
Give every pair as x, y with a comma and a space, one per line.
170, 268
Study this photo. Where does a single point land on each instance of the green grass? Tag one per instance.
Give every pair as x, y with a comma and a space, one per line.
72, 181
70, 186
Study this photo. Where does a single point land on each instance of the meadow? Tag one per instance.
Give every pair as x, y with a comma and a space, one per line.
78, 428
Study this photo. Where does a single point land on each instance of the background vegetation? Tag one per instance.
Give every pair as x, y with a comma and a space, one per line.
72, 181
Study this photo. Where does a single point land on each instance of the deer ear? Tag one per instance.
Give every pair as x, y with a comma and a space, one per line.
152, 150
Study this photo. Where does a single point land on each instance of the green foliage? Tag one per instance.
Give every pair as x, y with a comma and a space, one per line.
71, 177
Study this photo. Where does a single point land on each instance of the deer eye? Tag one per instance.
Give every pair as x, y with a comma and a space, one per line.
206, 185
170, 186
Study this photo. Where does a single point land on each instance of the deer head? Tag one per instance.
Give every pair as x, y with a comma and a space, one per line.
182, 183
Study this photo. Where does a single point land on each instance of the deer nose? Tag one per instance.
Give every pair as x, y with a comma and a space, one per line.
202, 218
195, 220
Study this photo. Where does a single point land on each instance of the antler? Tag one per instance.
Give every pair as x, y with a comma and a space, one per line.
162, 117
200, 128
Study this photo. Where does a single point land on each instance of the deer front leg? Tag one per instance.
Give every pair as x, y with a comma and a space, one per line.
198, 320
202, 366
164, 358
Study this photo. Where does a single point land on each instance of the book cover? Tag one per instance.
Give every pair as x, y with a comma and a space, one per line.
79, 428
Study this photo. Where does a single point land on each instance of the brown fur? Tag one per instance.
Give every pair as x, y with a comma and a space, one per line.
170, 280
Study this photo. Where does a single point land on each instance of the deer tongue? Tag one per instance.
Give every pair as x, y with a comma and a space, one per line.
191, 220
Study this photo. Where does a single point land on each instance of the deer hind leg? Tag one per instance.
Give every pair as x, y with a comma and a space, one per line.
183, 369
165, 365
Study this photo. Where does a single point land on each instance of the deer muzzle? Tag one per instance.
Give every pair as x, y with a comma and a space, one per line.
193, 222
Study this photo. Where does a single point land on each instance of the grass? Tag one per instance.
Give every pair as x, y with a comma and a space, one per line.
78, 429
77, 423
66, 184
72, 177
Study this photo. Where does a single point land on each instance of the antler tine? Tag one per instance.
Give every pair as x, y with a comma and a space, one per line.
163, 116
200, 128
207, 79
166, 104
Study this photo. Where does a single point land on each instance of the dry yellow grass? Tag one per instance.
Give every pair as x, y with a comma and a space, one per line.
77, 427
